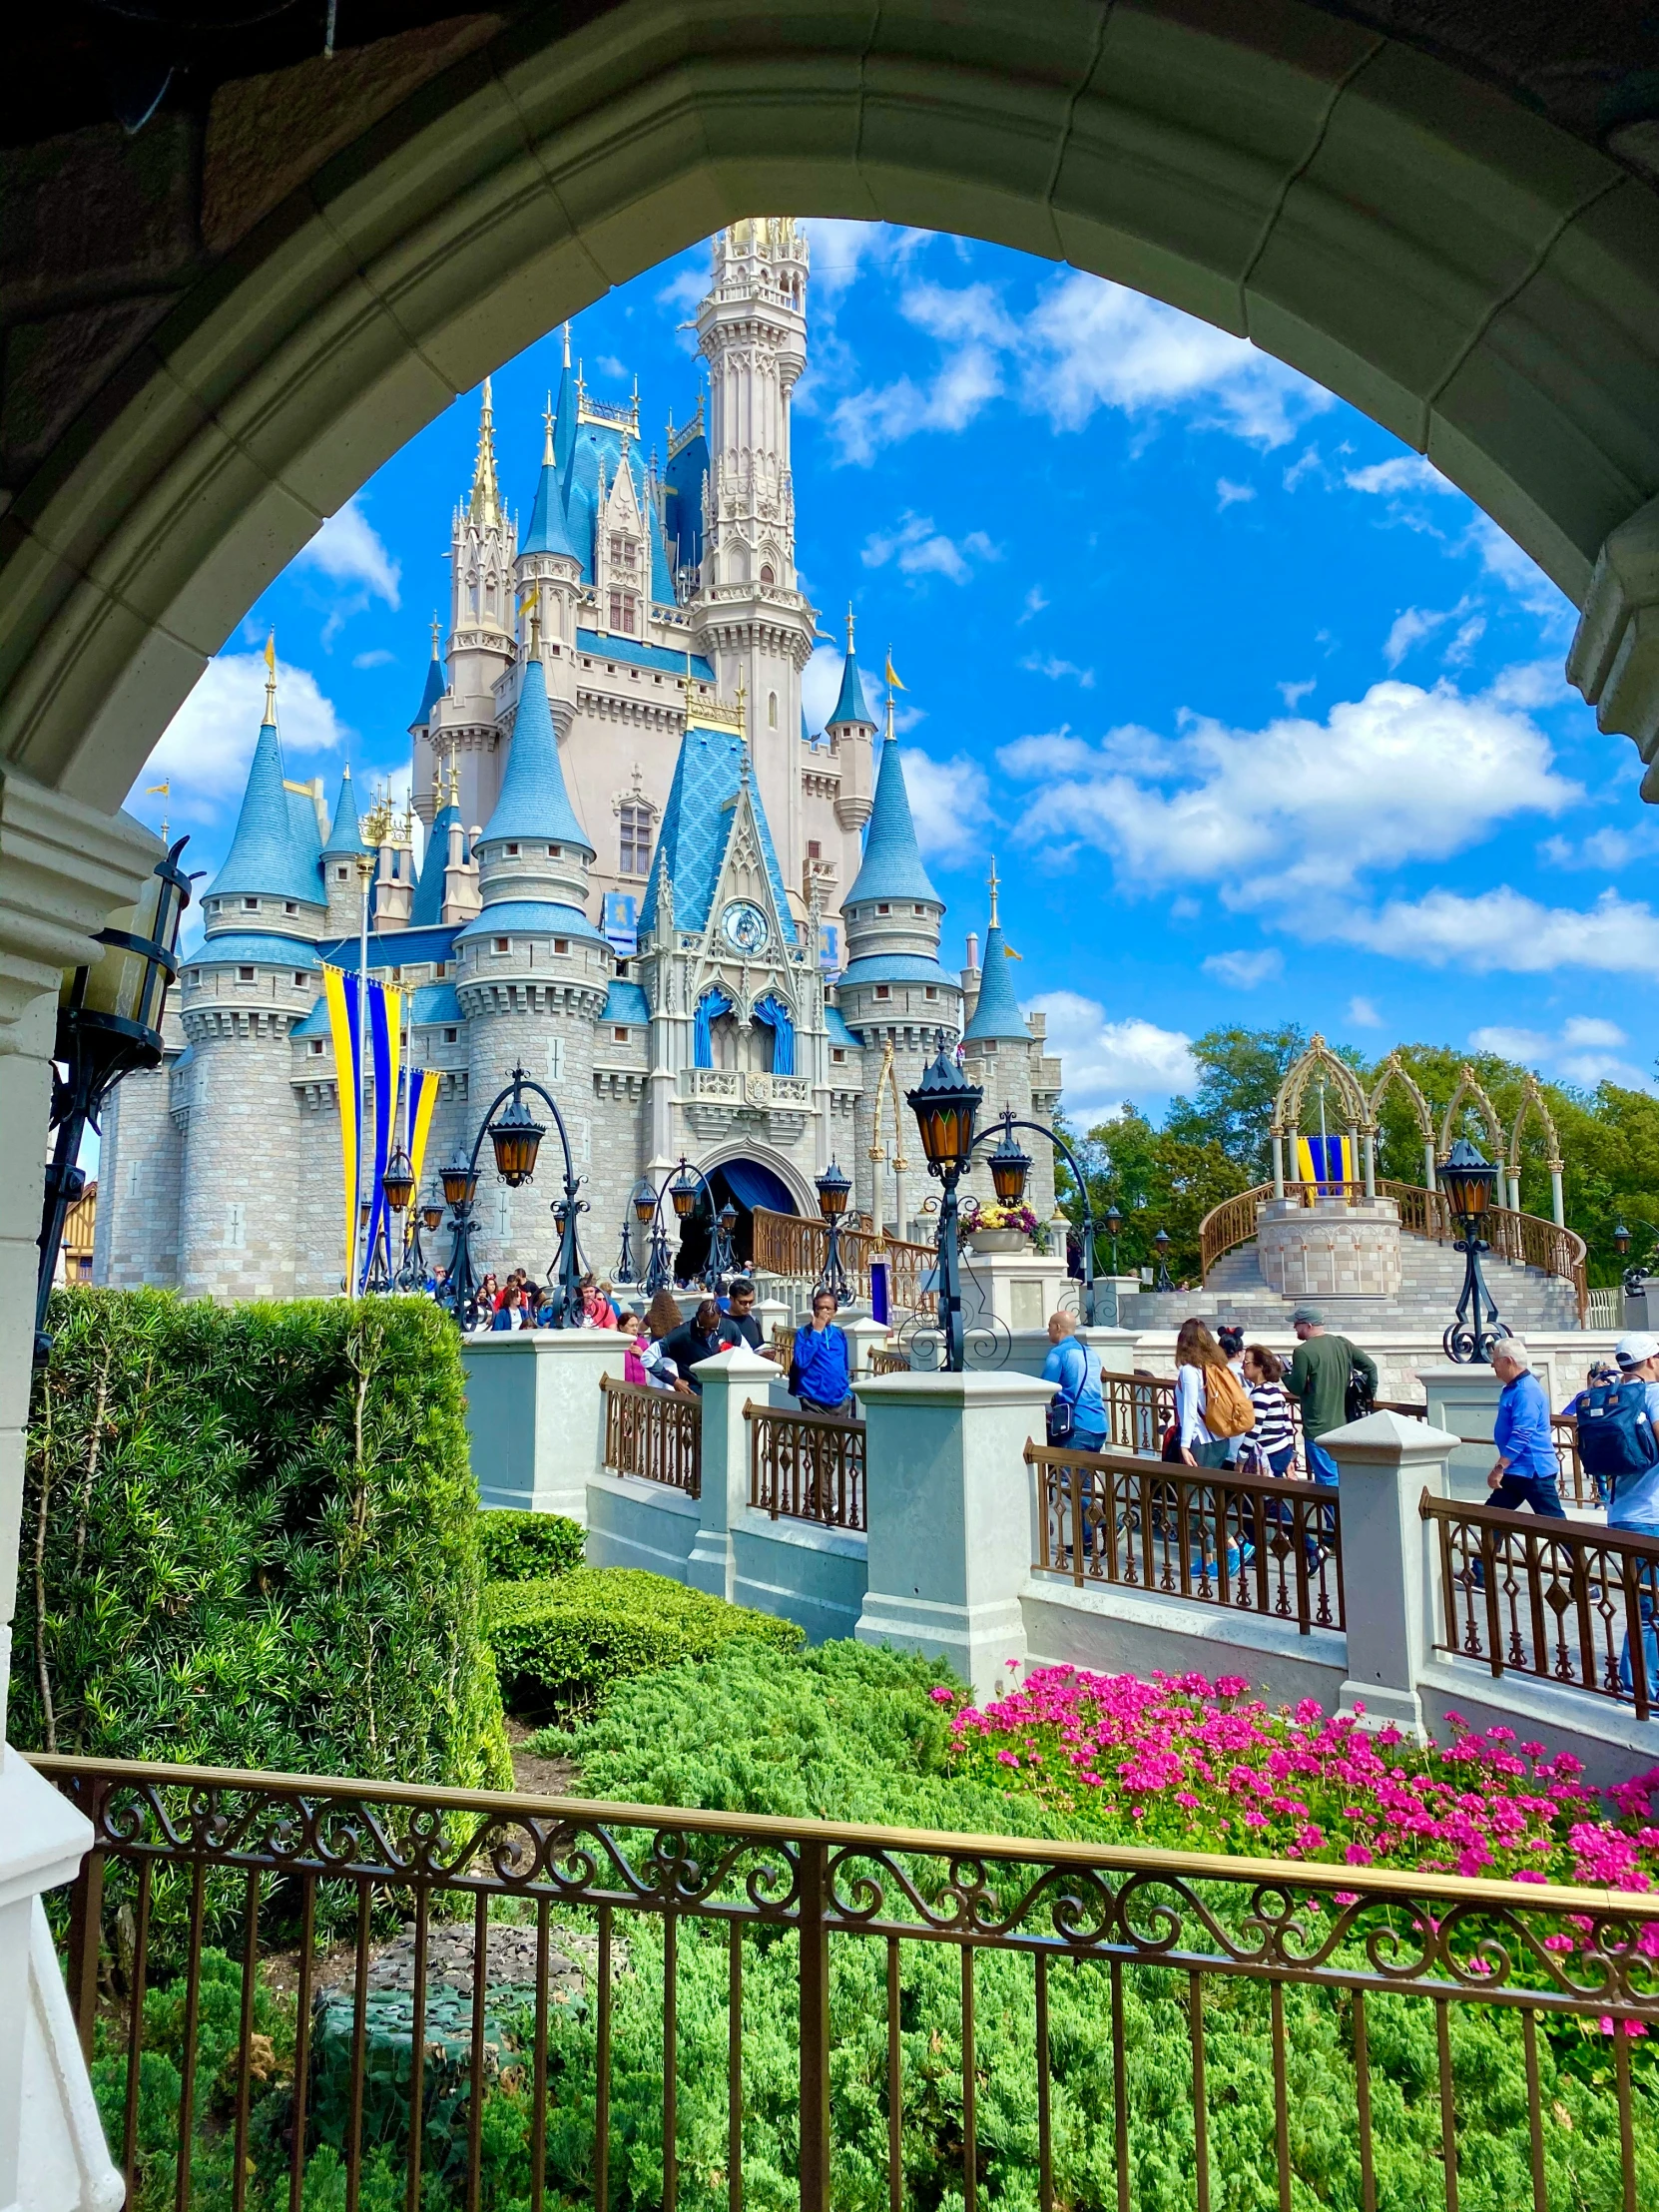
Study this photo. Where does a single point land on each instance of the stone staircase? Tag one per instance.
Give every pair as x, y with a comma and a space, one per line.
1431, 1279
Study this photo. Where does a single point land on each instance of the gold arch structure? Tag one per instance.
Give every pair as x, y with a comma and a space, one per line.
1318, 1060
1534, 1103
1469, 1089
1394, 1072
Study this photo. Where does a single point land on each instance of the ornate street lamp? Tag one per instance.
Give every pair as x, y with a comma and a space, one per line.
397, 1184
683, 1193
1636, 1277
640, 1206
515, 1137
1162, 1281
1009, 1167
723, 1260
109, 1025
834, 1189
1466, 1178
398, 1187
1114, 1222
432, 1219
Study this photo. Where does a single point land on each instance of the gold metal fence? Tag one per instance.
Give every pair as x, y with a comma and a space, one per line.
1254, 1543
562, 1968
807, 1467
656, 1434
789, 1243
1562, 1600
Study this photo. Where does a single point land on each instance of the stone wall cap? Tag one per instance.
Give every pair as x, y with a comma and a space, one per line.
1389, 1436
738, 1359
971, 1389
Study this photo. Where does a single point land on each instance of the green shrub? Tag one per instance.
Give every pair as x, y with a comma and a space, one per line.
529, 1547
559, 1643
253, 1542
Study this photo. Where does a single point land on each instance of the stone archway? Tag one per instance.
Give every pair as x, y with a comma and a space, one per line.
1394, 1072
1477, 277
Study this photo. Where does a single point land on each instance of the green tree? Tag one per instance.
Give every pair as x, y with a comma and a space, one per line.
1240, 1071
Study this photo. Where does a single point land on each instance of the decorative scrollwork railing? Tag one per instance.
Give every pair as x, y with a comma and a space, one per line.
387, 1896
656, 1434
790, 1244
807, 1467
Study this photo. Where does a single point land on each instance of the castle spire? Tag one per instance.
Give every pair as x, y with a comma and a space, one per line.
270, 680
994, 883
486, 500
892, 865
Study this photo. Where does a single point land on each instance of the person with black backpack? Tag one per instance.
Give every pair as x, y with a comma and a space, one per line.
1335, 1383
1618, 1444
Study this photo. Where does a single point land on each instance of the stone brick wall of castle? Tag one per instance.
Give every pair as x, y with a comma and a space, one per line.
240, 1170
140, 1158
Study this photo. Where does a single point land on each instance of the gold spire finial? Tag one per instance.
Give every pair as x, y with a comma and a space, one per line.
995, 882
486, 501
270, 679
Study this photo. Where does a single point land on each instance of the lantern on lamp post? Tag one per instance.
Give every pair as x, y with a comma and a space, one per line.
1466, 1178
684, 1190
1162, 1280
834, 1189
1114, 1222
515, 1139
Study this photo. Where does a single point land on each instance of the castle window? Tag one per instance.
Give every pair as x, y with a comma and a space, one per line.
316, 1047
501, 944
620, 1035
300, 979
623, 612
884, 909
882, 991
767, 577
250, 906
244, 975
342, 875
561, 944
814, 851
441, 968
931, 993
771, 696
449, 1036
635, 825
921, 909
513, 850
291, 906
554, 850
837, 1054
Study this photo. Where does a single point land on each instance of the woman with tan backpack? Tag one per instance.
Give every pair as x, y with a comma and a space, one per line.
1212, 1406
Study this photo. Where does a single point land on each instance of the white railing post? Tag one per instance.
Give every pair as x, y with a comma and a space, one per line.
948, 1504
730, 1380
1385, 1462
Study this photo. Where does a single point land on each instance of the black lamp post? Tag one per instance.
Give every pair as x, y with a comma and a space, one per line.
1636, 1277
1466, 1178
515, 1137
683, 1191
1159, 1244
109, 1024
945, 1103
1114, 1222
834, 1189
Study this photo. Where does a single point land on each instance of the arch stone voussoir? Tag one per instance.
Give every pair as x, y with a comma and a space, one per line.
1467, 271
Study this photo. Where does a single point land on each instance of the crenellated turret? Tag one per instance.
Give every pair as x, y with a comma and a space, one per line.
341, 854
850, 730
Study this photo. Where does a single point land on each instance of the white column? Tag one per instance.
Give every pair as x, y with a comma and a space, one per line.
1370, 1163
1353, 1149
730, 1380
1278, 1165
535, 1415
948, 1504
1385, 1463
63, 868
1431, 1181
1557, 1204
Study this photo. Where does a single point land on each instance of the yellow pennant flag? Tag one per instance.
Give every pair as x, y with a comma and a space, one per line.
271, 654
1012, 954
892, 676
159, 791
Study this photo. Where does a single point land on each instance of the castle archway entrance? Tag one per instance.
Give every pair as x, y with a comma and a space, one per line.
1480, 277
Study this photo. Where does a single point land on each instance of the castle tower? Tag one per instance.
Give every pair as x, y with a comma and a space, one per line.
752, 621
341, 877
483, 547
549, 564
1002, 1053
893, 989
424, 725
532, 974
255, 977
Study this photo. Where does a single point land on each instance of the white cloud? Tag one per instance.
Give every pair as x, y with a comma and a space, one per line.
1405, 472
1530, 684
949, 804
1307, 463
1229, 494
1586, 1052
920, 550
1469, 634
1609, 850
1034, 605
841, 249
1408, 629
820, 683
348, 550
1294, 694
1301, 807
609, 365
1109, 1062
1244, 971
1048, 664
683, 290
1517, 572
378, 657
204, 750
1362, 1013
1503, 931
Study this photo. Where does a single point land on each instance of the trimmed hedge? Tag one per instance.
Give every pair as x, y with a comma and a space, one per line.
561, 1643
529, 1547
250, 1540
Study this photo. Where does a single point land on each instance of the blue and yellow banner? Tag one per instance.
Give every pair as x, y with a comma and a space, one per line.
385, 1045
423, 1099
1327, 1160
340, 991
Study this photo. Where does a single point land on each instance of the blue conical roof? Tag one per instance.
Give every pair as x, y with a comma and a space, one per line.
997, 1013
534, 802
850, 707
436, 684
345, 836
893, 860
549, 530
427, 908
267, 857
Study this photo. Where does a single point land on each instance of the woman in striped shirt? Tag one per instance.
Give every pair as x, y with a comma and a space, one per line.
1272, 1436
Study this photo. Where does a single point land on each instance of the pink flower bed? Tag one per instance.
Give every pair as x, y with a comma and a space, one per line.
1185, 1762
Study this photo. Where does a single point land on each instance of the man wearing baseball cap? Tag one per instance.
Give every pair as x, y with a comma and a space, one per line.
1635, 1503
1318, 1378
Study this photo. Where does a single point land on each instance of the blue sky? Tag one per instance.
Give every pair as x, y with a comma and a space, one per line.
1260, 717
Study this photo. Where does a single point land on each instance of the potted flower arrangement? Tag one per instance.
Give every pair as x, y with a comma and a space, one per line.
995, 1228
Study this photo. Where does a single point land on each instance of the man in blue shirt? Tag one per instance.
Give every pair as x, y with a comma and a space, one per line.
1634, 1504
1075, 1366
1527, 1471
821, 1372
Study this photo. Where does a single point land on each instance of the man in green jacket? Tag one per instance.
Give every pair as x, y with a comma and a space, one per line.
1317, 1380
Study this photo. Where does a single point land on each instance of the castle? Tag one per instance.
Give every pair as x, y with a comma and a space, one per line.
700, 925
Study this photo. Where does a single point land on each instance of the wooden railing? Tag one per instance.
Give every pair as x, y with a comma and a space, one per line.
1139, 1409
890, 1362
656, 1434
1560, 1599
789, 1243
1250, 1542
807, 1467
1526, 1240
